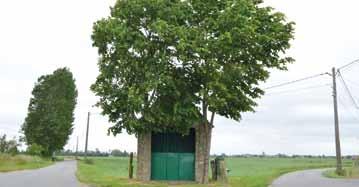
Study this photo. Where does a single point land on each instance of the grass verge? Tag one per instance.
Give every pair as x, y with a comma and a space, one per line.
349, 173
21, 162
244, 172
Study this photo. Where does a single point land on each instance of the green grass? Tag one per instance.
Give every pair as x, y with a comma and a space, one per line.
349, 173
21, 162
332, 174
106, 172
245, 172
260, 172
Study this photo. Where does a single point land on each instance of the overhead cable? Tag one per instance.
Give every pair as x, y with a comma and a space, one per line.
348, 91
349, 64
299, 89
295, 81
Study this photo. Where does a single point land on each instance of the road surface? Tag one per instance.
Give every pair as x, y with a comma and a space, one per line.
312, 178
61, 174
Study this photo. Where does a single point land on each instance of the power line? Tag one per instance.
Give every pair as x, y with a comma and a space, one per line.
295, 81
299, 89
310, 77
349, 64
348, 91
353, 83
347, 108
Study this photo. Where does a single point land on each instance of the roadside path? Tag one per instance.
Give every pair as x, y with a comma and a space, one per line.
312, 178
61, 174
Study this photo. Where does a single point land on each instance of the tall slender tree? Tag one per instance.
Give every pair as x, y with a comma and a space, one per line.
49, 121
166, 65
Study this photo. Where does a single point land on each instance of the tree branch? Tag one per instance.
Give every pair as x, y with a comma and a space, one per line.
212, 119
151, 98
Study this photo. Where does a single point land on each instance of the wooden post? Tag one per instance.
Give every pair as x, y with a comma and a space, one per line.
77, 148
87, 133
339, 169
221, 170
213, 168
130, 166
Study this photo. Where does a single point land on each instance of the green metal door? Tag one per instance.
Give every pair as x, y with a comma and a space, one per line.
172, 166
158, 166
173, 156
186, 166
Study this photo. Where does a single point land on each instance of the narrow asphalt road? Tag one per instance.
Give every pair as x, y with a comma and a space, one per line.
61, 174
312, 178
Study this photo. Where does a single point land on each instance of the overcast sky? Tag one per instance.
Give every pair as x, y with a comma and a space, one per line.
38, 36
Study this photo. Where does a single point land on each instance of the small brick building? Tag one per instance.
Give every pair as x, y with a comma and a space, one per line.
170, 156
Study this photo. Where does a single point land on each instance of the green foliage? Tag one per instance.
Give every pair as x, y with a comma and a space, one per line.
88, 161
89, 153
8, 146
50, 113
162, 62
35, 150
117, 152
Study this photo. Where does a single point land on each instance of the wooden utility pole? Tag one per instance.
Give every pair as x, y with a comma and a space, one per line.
339, 169
77, 147
87, 133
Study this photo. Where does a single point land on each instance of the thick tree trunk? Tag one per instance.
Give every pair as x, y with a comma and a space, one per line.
143, 172
203, 146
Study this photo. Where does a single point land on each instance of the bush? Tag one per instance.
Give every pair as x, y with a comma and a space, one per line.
89, 161
13, 151
58, 159
35, 149
8, 146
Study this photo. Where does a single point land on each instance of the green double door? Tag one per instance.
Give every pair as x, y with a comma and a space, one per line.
173, 156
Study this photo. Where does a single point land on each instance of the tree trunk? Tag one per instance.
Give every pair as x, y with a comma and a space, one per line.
203, 144
203, 136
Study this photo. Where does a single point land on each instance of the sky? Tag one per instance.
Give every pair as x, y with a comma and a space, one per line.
39, 36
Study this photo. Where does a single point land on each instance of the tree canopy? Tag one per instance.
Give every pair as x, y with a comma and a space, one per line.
49, 121
164, 64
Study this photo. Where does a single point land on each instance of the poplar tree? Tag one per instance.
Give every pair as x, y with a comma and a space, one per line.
49, 121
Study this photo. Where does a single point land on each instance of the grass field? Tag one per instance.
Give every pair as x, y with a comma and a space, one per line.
245, 172
21, 162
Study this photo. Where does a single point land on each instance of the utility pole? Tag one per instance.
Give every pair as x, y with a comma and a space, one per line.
87, 133
339, 169
77, 147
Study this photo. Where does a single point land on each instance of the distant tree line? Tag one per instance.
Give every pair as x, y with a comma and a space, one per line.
117, 152
279, 155
96, 153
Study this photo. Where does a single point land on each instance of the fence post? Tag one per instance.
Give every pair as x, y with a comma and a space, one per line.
214, 171
221, 170
130, 167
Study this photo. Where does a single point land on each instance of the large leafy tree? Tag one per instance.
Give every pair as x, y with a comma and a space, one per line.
166, 65
49, 121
